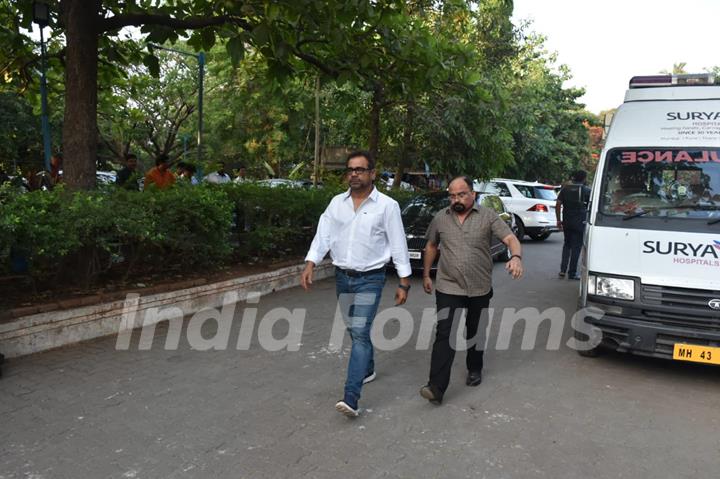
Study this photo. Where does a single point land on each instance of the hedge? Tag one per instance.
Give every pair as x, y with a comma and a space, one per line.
82, 236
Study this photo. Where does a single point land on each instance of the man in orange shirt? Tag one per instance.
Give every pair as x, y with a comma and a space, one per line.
160, 177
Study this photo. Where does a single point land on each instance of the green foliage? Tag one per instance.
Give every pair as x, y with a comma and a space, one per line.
549, 136
179, 228
78, 237
36, 226
253, 119
274, 222
148, 112
20, 136
450, 83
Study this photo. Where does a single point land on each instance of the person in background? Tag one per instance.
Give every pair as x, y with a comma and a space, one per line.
56, 166
160, 177
572, 200
218, 177
186, 172
241, 175
129, 176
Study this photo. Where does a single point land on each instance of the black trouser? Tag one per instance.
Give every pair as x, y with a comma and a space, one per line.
573, 232
449, 307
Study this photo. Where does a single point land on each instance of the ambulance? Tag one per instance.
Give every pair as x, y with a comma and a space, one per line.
651, 259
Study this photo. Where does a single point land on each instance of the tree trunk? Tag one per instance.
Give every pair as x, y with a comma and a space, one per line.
81, 18
374, 138
316, 159
406, 152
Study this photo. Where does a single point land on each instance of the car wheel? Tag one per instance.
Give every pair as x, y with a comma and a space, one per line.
540, 237
520, 233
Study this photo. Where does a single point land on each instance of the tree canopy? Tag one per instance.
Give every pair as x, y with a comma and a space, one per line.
448, 84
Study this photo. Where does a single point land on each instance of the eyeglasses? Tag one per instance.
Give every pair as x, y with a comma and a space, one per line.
358, 171
459, 196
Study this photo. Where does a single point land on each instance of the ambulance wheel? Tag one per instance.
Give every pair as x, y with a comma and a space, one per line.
588, 353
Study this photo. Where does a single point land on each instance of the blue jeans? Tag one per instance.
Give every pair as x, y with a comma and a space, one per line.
359, 298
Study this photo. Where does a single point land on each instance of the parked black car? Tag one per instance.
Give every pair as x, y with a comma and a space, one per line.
420, 211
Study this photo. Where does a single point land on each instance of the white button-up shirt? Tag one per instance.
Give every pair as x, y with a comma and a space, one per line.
217, 179
362, 240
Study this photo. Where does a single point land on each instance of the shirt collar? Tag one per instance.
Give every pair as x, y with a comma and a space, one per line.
373, 194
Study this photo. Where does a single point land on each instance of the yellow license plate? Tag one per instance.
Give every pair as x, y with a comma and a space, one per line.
696, 354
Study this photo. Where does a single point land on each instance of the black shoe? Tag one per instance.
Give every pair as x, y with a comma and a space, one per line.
574, 276
369, 378
561, 275
429, 393
474, 378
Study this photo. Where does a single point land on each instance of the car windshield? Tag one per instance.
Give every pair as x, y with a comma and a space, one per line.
424, 207
538, 192
667, 182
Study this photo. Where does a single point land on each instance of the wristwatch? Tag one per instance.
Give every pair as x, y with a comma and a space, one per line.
406, 288
516, 256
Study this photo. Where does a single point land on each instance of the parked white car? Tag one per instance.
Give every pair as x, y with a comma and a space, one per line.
105, 178
403, 185
280, 183
532, 204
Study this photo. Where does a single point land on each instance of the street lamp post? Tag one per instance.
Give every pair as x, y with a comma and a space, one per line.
201, 83
201, 79
41, 16
185, 141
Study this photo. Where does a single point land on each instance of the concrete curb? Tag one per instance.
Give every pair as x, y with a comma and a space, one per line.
52, 329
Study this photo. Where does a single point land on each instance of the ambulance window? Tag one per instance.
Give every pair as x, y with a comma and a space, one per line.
668, 182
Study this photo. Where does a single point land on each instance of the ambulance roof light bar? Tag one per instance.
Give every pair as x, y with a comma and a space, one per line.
691, 79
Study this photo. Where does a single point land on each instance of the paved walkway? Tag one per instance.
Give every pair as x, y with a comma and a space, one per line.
92, 411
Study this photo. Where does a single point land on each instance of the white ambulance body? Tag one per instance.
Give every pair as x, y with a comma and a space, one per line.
651, 261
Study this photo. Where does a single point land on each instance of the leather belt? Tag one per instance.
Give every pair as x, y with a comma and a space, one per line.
357, 274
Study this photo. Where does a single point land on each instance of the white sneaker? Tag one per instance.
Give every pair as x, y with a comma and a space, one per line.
370, 378
343, 408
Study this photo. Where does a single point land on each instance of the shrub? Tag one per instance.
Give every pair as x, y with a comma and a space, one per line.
76, 237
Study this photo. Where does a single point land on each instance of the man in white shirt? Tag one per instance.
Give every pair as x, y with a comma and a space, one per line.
218, 177
362, 229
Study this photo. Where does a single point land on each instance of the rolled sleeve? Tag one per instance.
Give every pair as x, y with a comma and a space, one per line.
433, 234
499, 228
396, 238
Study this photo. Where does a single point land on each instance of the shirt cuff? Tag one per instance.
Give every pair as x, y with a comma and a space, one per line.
314, 257
403, 270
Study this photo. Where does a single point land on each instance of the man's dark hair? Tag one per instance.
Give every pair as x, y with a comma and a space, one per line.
364, 153
162, 158
466, 179
131, 156
579, 176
